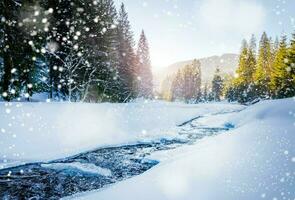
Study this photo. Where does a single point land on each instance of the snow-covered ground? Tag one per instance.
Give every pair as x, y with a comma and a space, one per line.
255, 160
44, 131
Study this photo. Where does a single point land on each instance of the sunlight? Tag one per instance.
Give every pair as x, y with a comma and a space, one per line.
147, 99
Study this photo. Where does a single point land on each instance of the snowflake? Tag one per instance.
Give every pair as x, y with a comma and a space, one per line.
78, 33
13, 70
43, 50
30, 85
12, 91
4, 94
44, 20
263, 195
50, 10
7, 110
96, 19
288, 69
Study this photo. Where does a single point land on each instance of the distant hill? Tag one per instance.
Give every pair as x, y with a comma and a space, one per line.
227, 64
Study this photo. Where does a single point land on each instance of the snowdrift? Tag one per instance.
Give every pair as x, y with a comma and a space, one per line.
44, 131
256, 160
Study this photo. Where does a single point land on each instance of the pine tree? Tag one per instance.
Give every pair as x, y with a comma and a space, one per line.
263, 69
288, 84
217, 85
186, 85
73, 50
279, 69
251, 60
143, 71
23, 36
240, 83
81, 50
248, 79
58, 42
126, 55
8, 15
32, 33
176, 87
229, 89
99, 46
247, 64
276, 46
205, 93
197, 79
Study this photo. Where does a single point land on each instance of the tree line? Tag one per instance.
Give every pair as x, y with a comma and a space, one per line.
263, 72
186, 85
268, 73
71, 50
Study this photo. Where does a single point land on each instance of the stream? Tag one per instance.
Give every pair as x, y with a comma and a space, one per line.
94, 169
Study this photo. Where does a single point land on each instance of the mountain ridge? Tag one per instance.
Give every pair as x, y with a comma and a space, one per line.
227, 63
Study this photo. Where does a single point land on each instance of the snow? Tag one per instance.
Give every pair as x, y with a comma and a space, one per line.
45, 131
255, 160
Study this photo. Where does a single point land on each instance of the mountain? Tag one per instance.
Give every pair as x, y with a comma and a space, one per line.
227, 64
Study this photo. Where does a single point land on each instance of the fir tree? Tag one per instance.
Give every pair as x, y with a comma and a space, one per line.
99, 47
288, 84
176, 87
240, 83
205, 93
8, 22
126, 56
217, 85
279, 69
186, 85
23, 32
263, 69
143, 71
229, 89
59, 42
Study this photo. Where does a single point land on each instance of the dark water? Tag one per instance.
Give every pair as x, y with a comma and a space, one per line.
94, 169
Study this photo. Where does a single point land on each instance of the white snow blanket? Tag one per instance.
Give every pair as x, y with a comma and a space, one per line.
256, 160
45, 131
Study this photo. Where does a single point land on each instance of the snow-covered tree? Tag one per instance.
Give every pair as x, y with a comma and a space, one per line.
127, 58
82, 35
144, 83
263, 68
186, 85
244, 82
217, 85
287, 88
8, 25
279, 69
23, 36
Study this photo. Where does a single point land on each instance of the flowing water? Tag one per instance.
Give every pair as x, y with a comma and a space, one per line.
94, 169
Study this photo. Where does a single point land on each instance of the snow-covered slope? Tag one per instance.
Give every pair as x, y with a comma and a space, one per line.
256, 160
43, 131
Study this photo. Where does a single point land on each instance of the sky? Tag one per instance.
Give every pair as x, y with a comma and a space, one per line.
180, 30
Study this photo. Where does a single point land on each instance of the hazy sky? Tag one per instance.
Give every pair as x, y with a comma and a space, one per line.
184, 29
